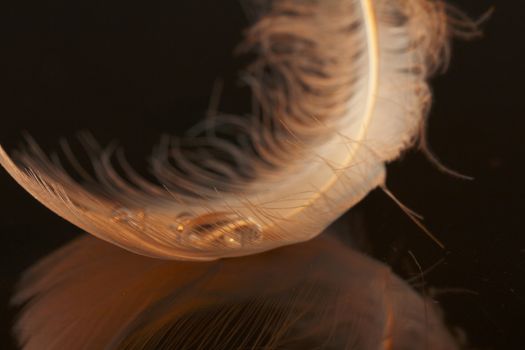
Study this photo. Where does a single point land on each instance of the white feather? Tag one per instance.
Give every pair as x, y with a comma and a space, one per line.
341, 89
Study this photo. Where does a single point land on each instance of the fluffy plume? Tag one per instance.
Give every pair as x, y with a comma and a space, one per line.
341, 89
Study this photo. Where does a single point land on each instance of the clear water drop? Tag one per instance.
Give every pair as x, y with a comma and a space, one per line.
135, 219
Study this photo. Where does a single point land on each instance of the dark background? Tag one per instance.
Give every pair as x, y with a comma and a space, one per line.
135, 70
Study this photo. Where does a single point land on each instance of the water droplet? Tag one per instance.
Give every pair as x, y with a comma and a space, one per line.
215, 231
135, 219
121, 214
241, 233
180, 227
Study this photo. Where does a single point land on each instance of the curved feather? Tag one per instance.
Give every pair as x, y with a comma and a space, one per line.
341, 89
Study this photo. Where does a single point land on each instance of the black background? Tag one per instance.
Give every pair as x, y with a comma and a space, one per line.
134, 70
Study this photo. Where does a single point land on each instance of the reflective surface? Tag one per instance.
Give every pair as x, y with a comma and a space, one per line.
316, 295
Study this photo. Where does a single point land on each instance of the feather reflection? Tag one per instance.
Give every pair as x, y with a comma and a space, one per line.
317, 295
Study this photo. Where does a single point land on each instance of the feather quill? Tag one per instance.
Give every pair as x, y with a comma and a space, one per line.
341, 89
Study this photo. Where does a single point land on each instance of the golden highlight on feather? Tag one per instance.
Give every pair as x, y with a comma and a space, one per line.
316, 295
341, 89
